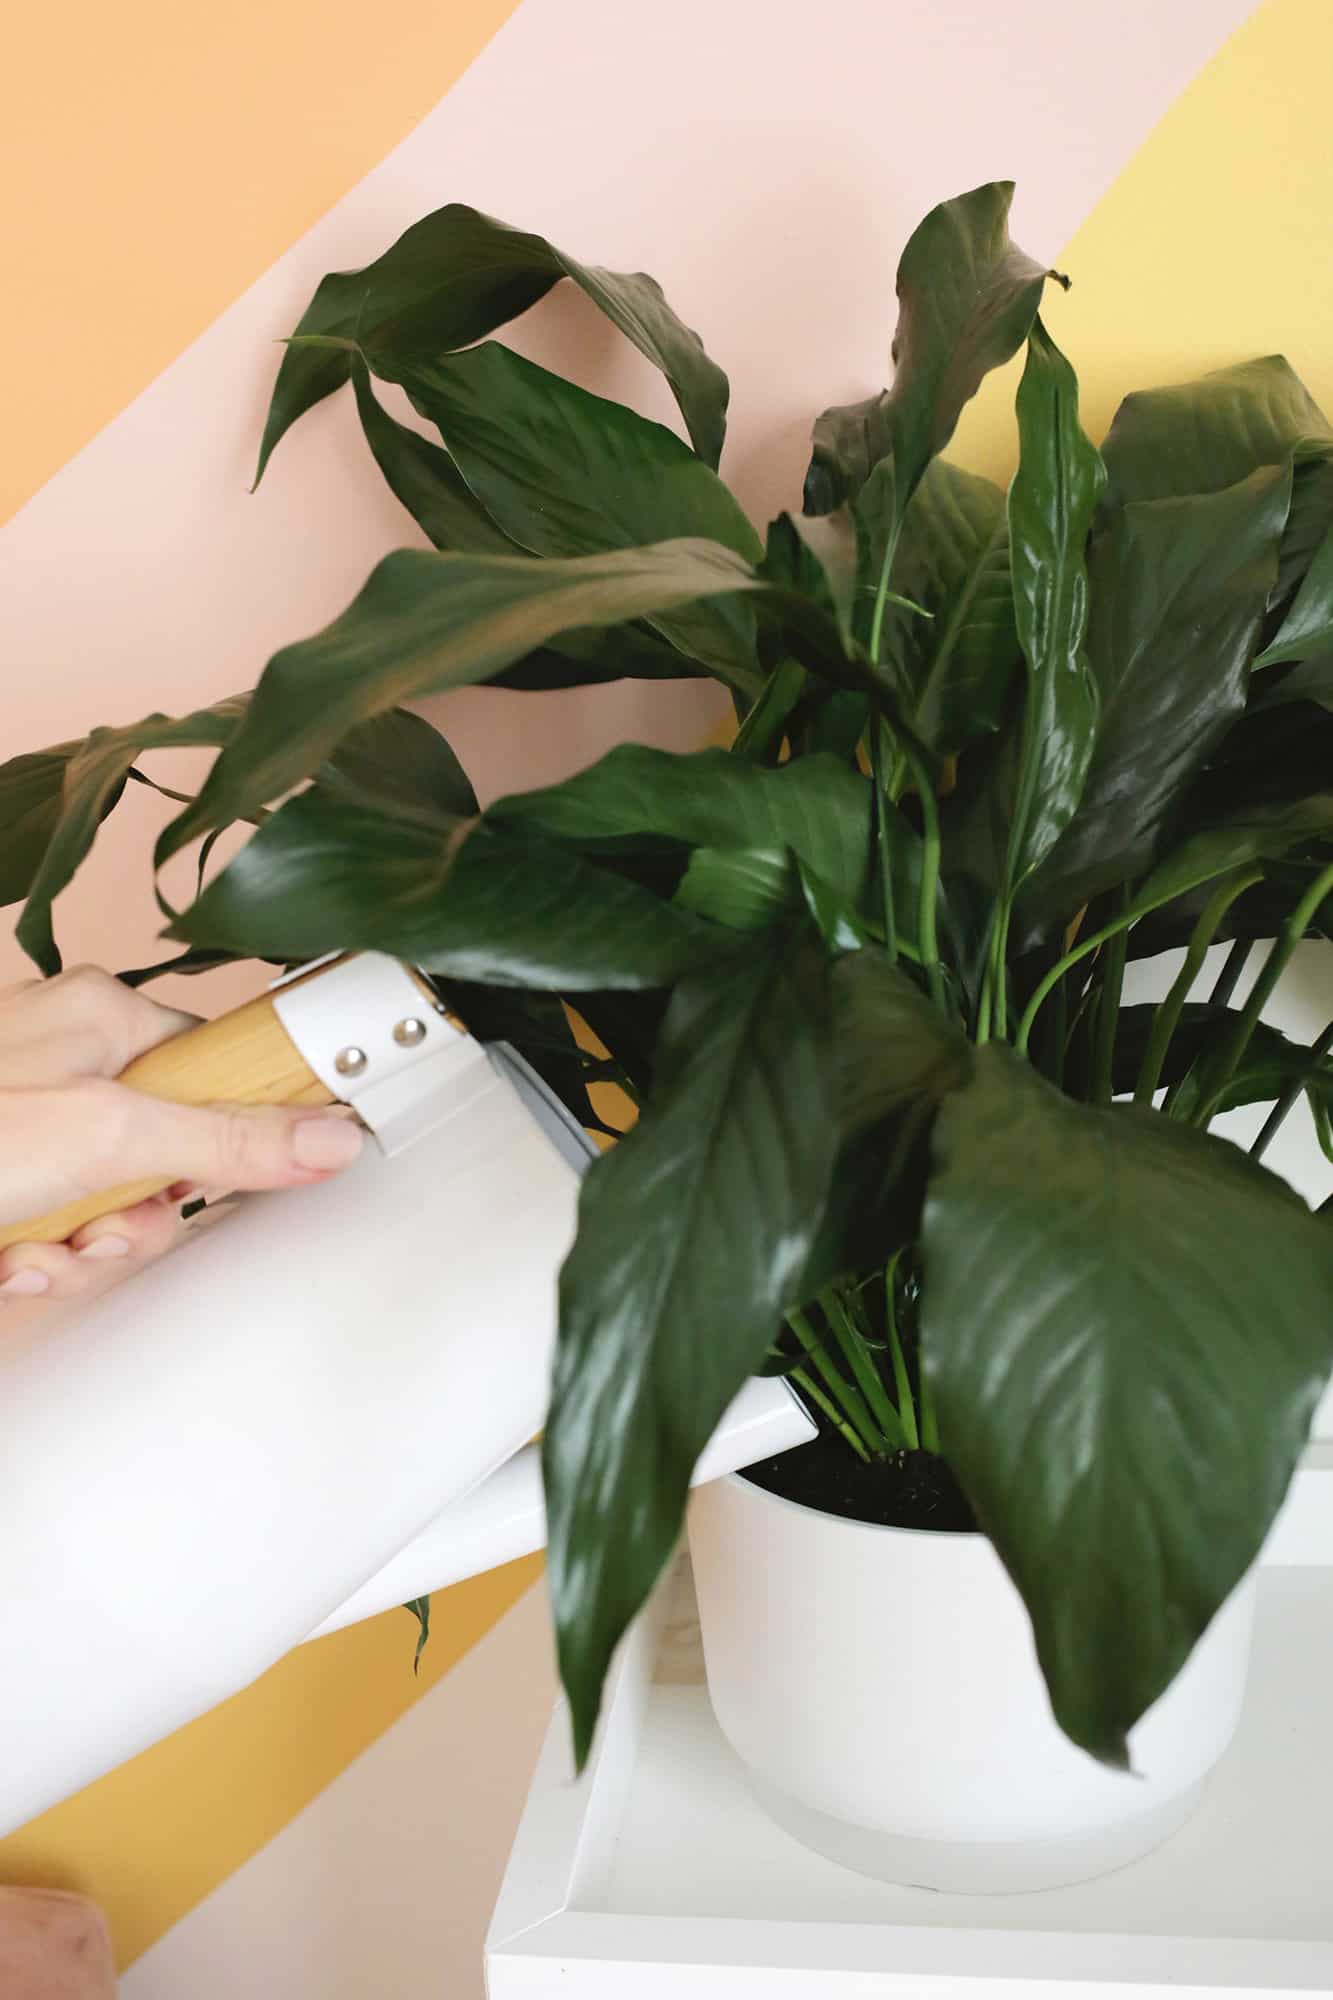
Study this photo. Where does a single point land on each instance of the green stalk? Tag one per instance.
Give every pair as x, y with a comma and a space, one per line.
893, 1425
1233, 966
1057, 973
848, 1399
809, 1387
902, 1380
1274, 966
930, 879
882, 593
1167, 1018
1271, 1125
1108, 1017
884, 859
930, 1430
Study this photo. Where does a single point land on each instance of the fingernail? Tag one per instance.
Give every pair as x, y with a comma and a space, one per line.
25, 1285
323, 1144
106, 1246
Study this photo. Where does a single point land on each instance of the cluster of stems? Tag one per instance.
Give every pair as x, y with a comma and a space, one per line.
857, 1374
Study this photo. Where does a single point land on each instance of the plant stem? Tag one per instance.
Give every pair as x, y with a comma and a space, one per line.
902, 1380
1274, 966
930, 1430
849, 1399
930, 878
809, 1387
894, 1424
1057, 973
1271, 1125
1167, 1018
882, 592
884, 858
1108, 1017
1233, 966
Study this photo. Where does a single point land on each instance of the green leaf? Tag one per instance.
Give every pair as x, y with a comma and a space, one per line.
94, 777
420, 1609
1308, 627
638, 800
1051, 505
454, 277
30, 788
422, 623
567, 473
1179, 588
692, 1236
469, 903
967, 297
1256, 835
424, 477
1271, 1060
1202, 436
398, 763
1126, 1325
954, 668
745, 888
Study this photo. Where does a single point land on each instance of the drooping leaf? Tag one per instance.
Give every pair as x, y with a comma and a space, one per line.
420, 1609
966, 299
398, 763
1126, 1325
1307, 629
428, 483
470, 903
1254, 835
1272, 1059
1309, 681
1051, 505
693, 1232
1202, 436
94, 777
454, 277
567, 473
1178, 589
30, 788
422, 623
956, 666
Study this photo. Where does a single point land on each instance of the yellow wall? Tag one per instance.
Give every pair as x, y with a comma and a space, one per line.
156, 1835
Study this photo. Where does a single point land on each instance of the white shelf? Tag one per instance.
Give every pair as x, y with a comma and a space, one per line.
658, 1860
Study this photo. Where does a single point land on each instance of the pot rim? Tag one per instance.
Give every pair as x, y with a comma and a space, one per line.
954, 1536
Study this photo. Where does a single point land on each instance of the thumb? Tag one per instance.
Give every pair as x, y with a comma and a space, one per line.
231, 1146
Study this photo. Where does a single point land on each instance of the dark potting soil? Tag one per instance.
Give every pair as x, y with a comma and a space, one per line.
914, 1489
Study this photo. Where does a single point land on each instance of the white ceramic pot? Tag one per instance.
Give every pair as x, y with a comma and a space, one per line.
881, 1687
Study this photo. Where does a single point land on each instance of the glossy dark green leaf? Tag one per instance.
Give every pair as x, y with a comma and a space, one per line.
472, 904
966, 299
1271, 1061
1051, 505
1178, 590
1126, 1325
1202, 436
94, 777
1256, 835
636, 799
567, 473
692, 1236
454, 277
30, 788
398, 763
432, 489
1307, 629
956, 667
745, 888
422, 623
1309, 681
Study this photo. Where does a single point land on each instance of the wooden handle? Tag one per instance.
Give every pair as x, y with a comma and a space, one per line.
245, 1057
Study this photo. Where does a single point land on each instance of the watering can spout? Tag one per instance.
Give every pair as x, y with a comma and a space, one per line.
320, 1405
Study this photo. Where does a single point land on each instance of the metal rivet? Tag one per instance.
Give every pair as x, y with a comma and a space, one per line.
409, 1033
350, 1061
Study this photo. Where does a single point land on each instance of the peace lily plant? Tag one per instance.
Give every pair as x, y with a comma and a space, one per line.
899, 1134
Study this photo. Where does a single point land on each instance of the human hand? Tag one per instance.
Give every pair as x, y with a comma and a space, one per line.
67, 1130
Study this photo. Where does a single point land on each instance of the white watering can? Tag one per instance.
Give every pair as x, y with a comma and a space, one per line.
319, 1406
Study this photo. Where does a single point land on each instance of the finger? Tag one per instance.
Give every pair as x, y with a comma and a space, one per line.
81, 1023
232, 1146
137, 1233
41, 1270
